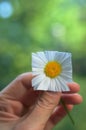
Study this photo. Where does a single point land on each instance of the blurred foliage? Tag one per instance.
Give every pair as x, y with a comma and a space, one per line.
41, 25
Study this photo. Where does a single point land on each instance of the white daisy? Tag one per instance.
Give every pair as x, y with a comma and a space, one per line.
52, 70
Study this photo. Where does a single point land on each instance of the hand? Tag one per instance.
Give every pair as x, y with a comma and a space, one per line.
22, 108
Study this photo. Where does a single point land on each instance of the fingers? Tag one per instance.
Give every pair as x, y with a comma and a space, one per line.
57, 116
74, 87
18, 88
43, 109
25, 79
21, 90
72, 98
60, 113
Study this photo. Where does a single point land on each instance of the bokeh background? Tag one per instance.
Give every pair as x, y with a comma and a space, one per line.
28, 26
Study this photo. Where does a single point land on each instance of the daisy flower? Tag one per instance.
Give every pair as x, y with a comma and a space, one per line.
52, 70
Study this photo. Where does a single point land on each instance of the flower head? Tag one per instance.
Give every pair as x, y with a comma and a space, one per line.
52, 70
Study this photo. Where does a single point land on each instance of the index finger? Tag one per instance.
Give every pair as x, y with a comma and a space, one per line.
74, 87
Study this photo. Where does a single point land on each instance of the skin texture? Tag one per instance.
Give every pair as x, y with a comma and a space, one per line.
22, 108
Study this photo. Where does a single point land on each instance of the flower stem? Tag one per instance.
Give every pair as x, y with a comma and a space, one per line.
69, 115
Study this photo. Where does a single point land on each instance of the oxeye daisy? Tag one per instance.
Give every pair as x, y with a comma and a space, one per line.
52, 70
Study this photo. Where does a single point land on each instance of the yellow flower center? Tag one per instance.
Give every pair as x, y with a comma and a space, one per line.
52, 69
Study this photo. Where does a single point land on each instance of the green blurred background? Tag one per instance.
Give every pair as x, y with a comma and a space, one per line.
28, 26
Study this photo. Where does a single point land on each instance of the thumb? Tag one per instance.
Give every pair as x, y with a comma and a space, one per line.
43, 109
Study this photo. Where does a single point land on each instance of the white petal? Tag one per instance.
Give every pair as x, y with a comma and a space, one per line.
67, 60
37, 69
67, 76
66, 73
58, 85
36, 61
52, 86
37, 80
42, 56
50, 55
37, 73
59, 56
44, 84
63, 83
62, 56
67, 67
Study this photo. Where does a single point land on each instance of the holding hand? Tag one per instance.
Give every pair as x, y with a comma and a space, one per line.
22, 108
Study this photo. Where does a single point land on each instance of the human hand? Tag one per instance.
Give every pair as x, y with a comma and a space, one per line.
22, 108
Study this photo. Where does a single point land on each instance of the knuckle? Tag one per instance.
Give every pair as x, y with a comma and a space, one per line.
47, 101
